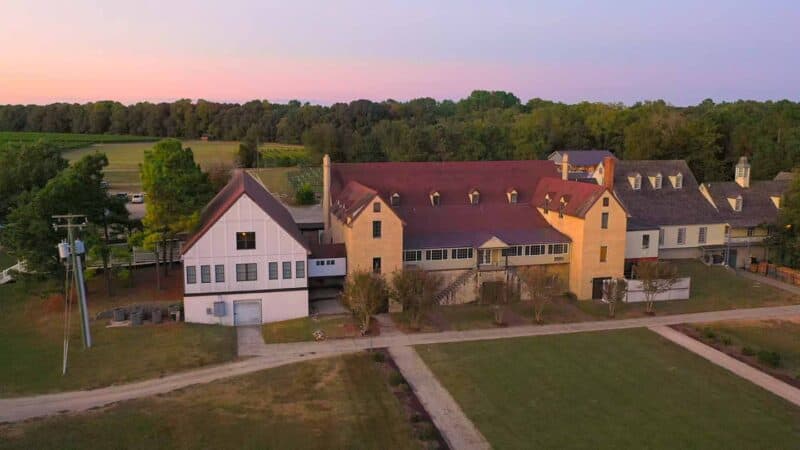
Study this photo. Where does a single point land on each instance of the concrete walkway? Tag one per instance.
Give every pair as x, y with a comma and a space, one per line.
455, 426
749, 373
274, 355
249, 341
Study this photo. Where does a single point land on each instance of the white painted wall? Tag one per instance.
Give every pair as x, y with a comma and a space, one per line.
218, 246
338, 268
714, 236
275, 306
633, 244
680, 291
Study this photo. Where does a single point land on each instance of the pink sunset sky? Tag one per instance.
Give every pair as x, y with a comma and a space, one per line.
325, 52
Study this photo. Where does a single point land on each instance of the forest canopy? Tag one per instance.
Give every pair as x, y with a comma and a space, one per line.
486, 125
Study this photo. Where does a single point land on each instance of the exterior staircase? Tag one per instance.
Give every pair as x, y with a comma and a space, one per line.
447, 295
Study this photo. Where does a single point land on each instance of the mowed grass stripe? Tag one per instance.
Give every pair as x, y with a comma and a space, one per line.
621, 389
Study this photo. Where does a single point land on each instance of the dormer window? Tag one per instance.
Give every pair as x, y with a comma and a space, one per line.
658, 181
395, 199
736, 203
776, 200
474, 197
546, 203
679, 181
512, 196
562, 206
435, 199
636, 182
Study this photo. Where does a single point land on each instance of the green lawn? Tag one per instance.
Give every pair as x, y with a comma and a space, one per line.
6, 260
781, 336
713, 288
621, 389
31, 334
299, 330
341, 402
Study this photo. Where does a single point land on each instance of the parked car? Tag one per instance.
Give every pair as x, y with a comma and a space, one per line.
122, 196
137, 198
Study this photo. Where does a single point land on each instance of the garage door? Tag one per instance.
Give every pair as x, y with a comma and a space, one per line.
247, 312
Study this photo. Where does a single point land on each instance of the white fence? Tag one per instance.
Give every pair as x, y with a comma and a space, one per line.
679, 291
5, 276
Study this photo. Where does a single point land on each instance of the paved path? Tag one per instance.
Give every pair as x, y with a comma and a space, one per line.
388, 327
749, 373
249, 341
21, 408
274, 355
455, 426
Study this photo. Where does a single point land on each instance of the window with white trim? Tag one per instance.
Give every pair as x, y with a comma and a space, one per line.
273, 270
412, 255
246, 272
681, 236
534, 250
191, 274
205, 274
287, 270
219, 273
557, 249
300, 269
702, 233
645, 241
436, 255
461, 253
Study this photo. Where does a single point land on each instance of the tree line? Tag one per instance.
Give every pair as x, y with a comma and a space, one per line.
486, 125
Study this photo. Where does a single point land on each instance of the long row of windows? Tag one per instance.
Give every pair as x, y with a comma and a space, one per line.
245, 272
702, 236
440, 254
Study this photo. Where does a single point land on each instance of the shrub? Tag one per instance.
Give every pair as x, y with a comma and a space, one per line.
709, 333
747, 351
425, 431
378, 357
396, 379
305, 195
417, 417
772, 359
726, 340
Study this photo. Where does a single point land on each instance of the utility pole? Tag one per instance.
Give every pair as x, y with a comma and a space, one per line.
76, 249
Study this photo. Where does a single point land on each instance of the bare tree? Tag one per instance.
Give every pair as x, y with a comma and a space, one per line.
416, 290
541, 287
614, 291
657, 277
365, 293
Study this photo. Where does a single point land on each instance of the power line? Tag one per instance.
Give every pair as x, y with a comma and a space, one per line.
72, 252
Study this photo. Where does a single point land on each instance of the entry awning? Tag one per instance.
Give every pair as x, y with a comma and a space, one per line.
493, 242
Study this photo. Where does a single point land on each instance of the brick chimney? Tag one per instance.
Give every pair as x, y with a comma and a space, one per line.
564, 166
609, 164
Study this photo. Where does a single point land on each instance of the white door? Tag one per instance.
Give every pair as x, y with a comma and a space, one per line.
247, 312
484, 256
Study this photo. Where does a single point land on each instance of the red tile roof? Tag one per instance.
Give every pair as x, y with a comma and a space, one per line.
579, 197
455, 222
243, 183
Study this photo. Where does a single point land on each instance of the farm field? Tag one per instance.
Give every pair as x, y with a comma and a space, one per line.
122, 172
31, 333
70, 140
340, 402
620, 389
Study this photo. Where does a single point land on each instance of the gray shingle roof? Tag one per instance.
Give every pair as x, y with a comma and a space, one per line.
757, 205
665, 206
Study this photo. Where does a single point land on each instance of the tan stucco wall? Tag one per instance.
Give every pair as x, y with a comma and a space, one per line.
715, 235
362, 247
587, 238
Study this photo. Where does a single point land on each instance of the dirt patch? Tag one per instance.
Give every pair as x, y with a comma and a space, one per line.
735, 352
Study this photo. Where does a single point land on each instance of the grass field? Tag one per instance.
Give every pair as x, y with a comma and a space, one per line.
341, 402
122, 172
69, 140
621, 389
31, 334
299, 330
779, 336
6, 260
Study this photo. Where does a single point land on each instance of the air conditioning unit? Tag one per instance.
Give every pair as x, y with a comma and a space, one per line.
219, 309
